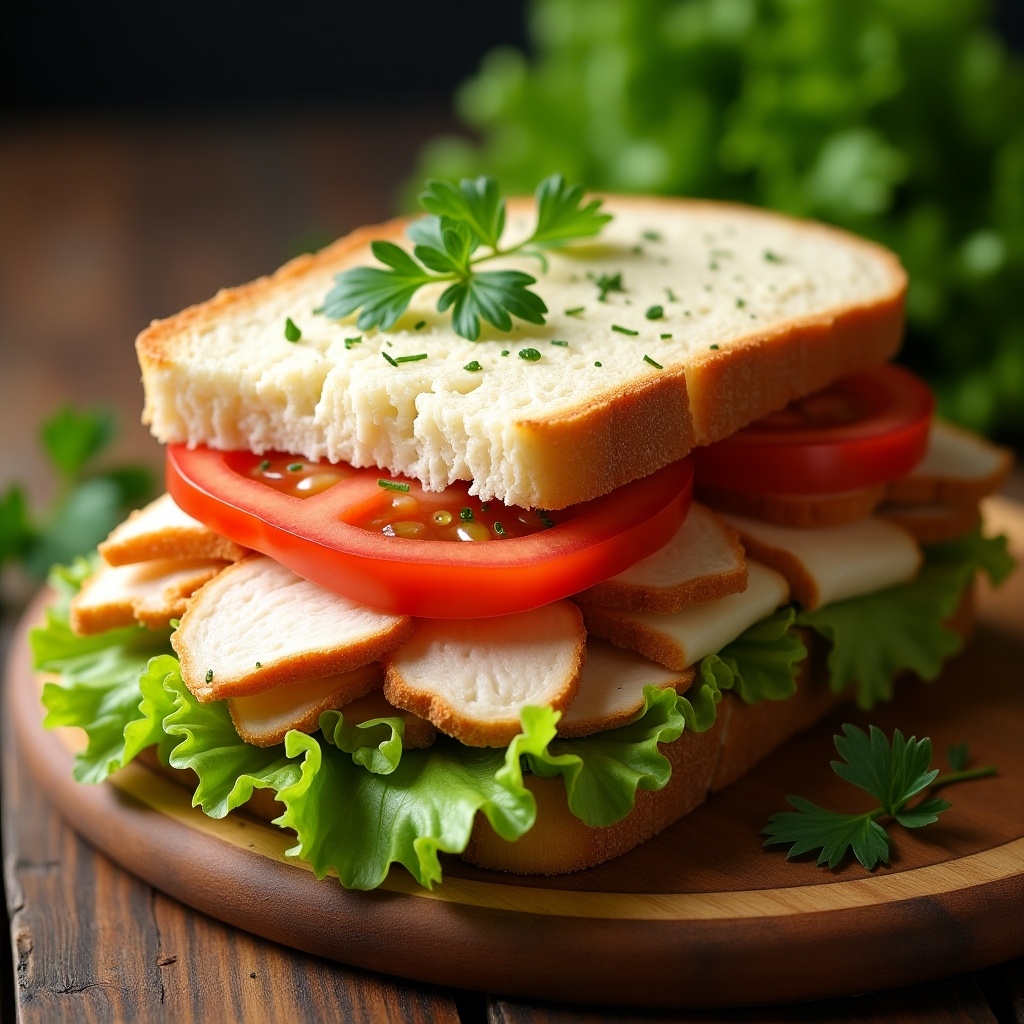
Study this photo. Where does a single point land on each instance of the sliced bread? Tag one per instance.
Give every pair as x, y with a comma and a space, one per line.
725, 313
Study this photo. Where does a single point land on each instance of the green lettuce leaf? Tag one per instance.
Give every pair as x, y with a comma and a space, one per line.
357, 823
603, 772
100, 691
761, 663
876, 637
203, 738
375, 744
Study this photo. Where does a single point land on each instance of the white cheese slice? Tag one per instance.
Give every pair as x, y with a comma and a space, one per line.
679, 640
835, 562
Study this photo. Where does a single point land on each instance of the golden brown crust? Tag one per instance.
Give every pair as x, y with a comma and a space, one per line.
802, 584
559, 842
88, 615
170, 542
589, 726
308, 663
635, 597
627, 432
802, 511
635, 636
259, 720
934, 487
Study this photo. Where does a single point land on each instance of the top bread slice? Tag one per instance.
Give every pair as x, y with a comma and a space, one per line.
726, 313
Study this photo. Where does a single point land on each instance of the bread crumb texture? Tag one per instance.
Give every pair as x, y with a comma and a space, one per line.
736, 311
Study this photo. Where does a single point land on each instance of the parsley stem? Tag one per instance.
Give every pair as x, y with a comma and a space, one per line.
969, 773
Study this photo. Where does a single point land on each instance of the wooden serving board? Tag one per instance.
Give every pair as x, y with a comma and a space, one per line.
699, 916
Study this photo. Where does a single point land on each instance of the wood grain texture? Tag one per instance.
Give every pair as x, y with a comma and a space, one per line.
955, 1001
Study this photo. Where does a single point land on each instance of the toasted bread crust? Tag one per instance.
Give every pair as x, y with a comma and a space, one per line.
615, 432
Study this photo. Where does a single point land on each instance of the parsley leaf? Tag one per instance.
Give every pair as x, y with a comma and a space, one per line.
463, 228
893, 774
89, 503
71, 437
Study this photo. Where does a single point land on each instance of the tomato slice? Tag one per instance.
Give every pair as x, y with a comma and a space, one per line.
316, 537
862, 430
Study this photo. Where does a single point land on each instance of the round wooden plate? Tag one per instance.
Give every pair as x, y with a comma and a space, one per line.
699, 916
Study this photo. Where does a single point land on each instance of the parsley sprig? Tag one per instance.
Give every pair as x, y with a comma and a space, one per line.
894, 775
463, 229
90, 502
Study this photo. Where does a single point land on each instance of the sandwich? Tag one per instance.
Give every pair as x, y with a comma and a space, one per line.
520, 564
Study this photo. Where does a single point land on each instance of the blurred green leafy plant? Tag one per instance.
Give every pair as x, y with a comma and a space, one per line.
89, 503
898, 119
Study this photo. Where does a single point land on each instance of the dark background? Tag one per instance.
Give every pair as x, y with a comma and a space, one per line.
135, 56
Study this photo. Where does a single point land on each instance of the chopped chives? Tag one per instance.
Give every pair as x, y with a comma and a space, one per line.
465, 514
665, 337
575, 311
531, 355
209, 675
420, 324
388, 358
624, 330
295, 467
392, 485
411, 359
656, 365
714, 348
654, 312
559, 342
349, 342
292, 332
264, 465
473, 366
499, 529
598, 362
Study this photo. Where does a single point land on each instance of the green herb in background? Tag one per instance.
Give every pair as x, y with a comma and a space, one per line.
898, 119
88, 505
893, 775
462, 220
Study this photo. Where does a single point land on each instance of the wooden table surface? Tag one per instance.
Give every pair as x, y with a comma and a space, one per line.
104, 226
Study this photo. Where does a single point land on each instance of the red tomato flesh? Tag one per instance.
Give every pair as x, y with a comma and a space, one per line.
865, 429
323, 537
